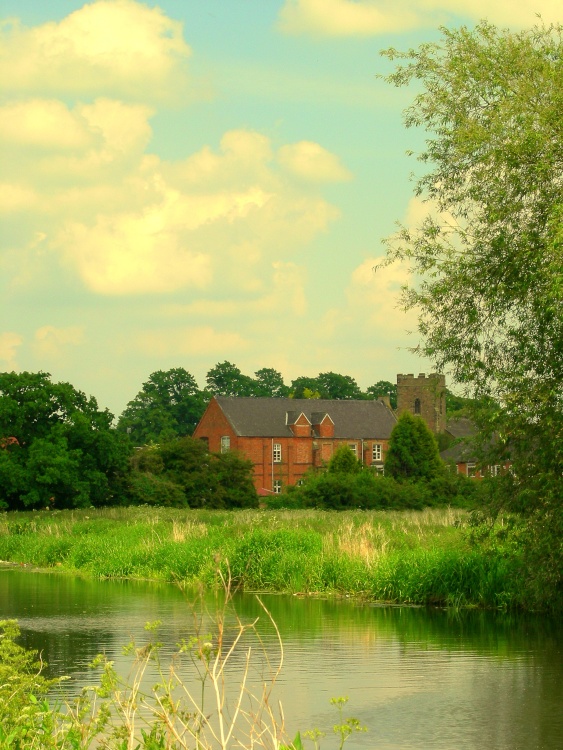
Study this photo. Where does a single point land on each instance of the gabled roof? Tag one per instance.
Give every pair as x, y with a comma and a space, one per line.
267, 417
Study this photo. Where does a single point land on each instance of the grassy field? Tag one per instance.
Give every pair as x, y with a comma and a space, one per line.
422, 557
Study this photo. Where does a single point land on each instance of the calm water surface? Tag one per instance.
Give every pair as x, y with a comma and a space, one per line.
418, 678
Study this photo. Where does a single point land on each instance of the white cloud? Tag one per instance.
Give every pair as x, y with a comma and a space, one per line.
132, 254
372, 305
283, 292
120, 47
42, 124
191, 341
9, 344
128, 223
372, 17
312, 162
51, 342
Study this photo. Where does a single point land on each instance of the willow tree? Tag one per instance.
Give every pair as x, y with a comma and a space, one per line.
488, 257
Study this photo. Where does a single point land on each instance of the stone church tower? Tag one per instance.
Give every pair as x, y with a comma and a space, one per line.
424, 396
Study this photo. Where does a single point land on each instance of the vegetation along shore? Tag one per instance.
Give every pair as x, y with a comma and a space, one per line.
433, 556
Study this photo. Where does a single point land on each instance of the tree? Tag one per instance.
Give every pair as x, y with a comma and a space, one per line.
183, 473
413, 451
384, 388
305, 387
169, 405
344, 461
490, 257
326, 385
334, 385
269, 384
62, 451
225, 379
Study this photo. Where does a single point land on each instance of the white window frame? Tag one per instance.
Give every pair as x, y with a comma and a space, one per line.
277, 486
354, 448
225, 443
277, 453
376, 452
471, 469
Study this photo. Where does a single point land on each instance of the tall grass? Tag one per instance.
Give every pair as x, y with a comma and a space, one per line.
421, 557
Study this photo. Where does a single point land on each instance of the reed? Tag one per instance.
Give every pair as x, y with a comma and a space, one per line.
423, 557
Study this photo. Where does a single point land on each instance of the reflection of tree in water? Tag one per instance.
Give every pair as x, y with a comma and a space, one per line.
504, 670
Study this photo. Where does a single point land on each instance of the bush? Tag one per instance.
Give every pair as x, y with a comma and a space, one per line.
183, 473
150, 489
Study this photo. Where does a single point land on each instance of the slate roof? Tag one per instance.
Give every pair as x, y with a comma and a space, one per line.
463, 452
267, 417
461, 427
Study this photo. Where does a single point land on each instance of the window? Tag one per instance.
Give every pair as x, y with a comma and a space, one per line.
354, 448
225, 444
277, 486
417, 406
380, 469
494, 471
471, 468
376, 452
300, 482
276, 453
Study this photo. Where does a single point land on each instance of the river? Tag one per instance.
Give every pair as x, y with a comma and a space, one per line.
418, 678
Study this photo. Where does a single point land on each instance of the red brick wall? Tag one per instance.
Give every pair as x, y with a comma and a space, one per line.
326, 429
213, 426
298, 453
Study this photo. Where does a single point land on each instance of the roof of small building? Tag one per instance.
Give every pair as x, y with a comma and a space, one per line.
268, 417
462, 452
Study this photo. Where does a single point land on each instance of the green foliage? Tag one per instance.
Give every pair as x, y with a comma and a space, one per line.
182, 473
344, 461
384, 388
269, 384
335, 386
169, 405
418, 556
369, 490
413, 450
62, 450
330, 385
225, 379
23, 714
489, 260
152, 489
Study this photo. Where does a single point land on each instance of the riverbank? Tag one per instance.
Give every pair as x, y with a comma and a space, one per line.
416, 557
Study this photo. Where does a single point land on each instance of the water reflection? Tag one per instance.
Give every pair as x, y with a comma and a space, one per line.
418, 678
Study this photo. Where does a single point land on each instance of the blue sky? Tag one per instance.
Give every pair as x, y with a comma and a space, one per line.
204, 180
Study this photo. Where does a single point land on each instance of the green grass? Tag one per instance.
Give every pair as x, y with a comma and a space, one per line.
421, 557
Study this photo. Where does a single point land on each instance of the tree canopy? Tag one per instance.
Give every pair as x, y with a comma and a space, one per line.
182, 473
489, 254
169, 405
58, 449
413, 451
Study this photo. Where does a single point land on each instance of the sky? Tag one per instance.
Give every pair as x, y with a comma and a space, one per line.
195, 181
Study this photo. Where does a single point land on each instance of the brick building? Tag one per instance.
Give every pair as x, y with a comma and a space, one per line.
284, 437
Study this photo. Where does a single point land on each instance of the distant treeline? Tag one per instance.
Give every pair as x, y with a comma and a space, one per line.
170, 403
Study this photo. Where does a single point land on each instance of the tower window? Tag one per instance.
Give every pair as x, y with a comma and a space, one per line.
417, 406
